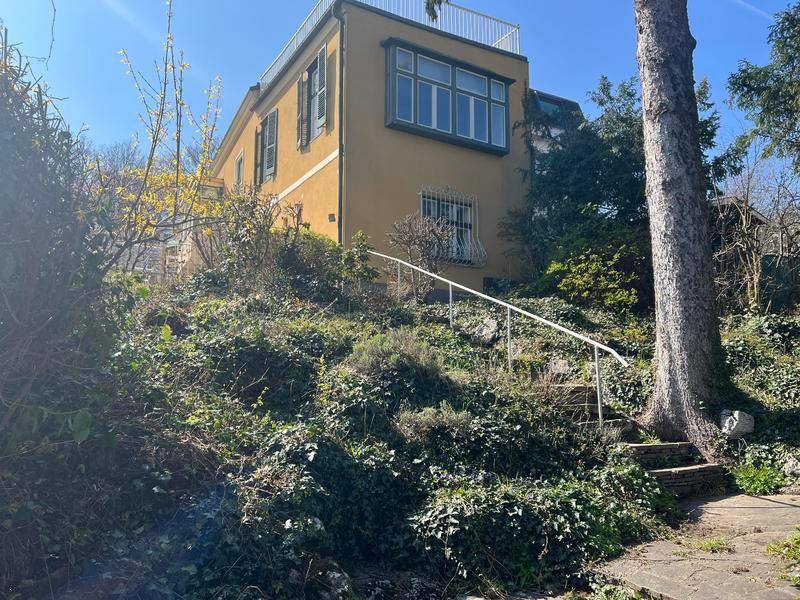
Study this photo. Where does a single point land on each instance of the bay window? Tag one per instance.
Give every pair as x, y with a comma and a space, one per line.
443, 98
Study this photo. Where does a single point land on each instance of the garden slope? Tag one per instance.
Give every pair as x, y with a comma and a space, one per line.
252, 446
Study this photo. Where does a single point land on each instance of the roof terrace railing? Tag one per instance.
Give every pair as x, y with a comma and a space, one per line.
453, 19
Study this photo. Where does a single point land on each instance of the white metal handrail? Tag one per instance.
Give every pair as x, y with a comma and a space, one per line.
509, 309
453, 19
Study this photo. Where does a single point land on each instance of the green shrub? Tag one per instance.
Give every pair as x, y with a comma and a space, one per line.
537, 533
259, 369
348, 404
758, 480
405, 369
510, 438
782, 381
780, 332
527, 534
361, 493
595, 279
742, 354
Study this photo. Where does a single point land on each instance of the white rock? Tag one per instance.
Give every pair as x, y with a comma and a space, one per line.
791, 468
487, 333
736, 423
559, 366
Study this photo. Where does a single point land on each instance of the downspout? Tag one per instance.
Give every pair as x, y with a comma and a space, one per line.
340, 17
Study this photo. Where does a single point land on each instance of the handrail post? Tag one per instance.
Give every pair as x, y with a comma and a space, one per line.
398, 282
599, 386
450, 285
508, 335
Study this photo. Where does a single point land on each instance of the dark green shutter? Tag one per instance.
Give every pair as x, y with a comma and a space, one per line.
322, 69
257, 157
270, 136
301, 120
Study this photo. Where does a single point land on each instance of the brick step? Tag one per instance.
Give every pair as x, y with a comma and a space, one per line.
665, 454
691, 480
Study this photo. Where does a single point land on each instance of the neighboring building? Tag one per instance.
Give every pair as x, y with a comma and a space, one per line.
372, 111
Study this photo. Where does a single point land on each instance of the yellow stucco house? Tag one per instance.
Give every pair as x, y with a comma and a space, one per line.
372, 111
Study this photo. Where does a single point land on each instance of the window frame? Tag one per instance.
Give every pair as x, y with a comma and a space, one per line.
393, 46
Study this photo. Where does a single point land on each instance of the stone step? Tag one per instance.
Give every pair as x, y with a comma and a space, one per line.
692, 480
628, 428
619, 422
574, 393
665, 454
591, 410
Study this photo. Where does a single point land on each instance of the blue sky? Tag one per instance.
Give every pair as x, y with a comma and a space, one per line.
570, 43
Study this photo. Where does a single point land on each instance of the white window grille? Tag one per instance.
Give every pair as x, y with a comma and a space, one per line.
461, 212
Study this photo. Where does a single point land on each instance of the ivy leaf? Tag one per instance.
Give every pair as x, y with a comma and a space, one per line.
166, 332
81, 425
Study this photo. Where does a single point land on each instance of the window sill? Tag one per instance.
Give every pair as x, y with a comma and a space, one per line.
448, 138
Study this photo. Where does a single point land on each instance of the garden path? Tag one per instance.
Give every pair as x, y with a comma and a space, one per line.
678, 569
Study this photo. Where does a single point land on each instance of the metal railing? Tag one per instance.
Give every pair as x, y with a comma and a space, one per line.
510, 308
453, 19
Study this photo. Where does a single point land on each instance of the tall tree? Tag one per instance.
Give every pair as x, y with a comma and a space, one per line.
687, 332
770, 94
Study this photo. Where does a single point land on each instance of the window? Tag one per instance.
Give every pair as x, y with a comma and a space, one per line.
458, 213
312, 99
405, 98
472, 117
499, 125
433, 69
438, 97
238, 170
498, 91
470, 82
433, 106
405, 60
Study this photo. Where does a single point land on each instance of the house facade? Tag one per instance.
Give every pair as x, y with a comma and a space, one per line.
373, 111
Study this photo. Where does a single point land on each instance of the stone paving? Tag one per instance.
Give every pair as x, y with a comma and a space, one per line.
677, 570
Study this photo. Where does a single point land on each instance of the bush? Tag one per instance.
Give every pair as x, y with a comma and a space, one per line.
406, 370
509, 438
758, 480
596, 280
350, 405
537, 533
360, 493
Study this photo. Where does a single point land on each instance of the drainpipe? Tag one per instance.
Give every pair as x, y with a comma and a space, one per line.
339, 218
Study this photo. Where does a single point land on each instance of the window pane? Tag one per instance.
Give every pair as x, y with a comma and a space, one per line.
499, 125
425, 104
405, 98
480, 131
443, 109
498, 91
471, 82
462, 115
405, 60
433, 69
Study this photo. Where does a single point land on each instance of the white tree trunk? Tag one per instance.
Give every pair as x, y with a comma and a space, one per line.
687, 331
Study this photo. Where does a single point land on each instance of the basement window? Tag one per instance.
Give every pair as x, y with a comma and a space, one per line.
460, 211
